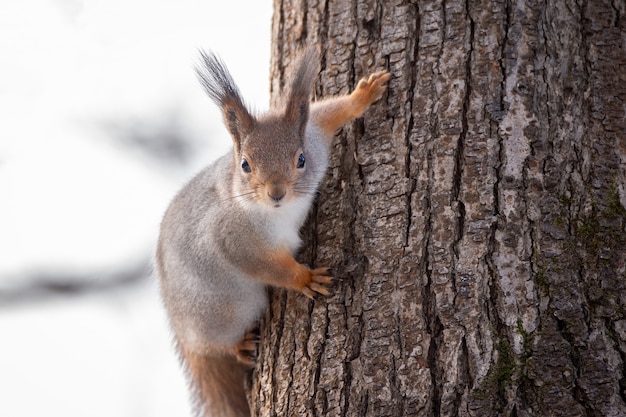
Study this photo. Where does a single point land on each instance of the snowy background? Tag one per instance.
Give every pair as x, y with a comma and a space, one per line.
101, 121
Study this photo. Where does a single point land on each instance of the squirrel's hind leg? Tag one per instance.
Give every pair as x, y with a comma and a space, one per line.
247, 349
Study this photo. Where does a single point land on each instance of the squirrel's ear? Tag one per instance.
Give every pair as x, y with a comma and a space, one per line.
297, 107
297, 114
239, 123
220, 86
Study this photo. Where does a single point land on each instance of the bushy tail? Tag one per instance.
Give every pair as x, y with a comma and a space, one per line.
218, 385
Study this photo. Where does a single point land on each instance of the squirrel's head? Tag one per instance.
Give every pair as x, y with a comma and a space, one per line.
270, 161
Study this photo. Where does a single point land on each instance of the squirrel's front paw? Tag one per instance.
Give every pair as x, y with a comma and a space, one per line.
371, 89
320, 280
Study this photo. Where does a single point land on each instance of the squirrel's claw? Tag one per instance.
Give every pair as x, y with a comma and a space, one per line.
323, 279
308, 292
320, 281
319, 289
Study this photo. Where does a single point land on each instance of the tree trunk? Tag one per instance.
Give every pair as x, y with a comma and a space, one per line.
475, 215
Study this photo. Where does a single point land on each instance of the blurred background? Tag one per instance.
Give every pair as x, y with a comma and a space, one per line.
101, 121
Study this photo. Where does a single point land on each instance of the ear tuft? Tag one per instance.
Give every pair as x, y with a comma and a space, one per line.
221, 88
297, 106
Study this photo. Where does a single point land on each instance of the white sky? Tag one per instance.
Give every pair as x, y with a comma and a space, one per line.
73, 200
68, 196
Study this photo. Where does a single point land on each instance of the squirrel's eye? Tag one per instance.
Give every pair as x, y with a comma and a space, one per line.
301, 161
245, 166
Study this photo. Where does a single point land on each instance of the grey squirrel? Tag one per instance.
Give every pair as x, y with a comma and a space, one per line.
234, 228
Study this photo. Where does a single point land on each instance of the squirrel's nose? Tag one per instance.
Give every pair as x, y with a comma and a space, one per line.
276, 194
276, 188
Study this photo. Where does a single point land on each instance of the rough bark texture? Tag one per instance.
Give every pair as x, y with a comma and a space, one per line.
475, 215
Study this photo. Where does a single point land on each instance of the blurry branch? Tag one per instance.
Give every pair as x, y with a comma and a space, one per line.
44, 286
166, 138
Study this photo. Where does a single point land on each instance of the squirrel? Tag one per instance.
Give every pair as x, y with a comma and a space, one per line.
234, 228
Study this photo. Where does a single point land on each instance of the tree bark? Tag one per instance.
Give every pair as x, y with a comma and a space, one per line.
475, 214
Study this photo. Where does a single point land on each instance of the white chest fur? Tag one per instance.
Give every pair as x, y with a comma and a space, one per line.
284, 222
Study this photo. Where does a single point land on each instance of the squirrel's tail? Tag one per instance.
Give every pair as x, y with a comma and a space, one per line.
218, 383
